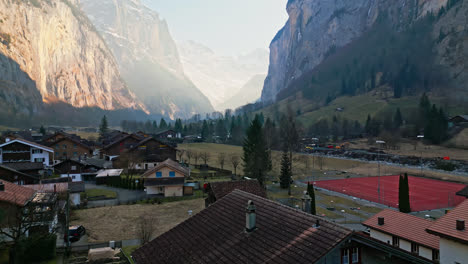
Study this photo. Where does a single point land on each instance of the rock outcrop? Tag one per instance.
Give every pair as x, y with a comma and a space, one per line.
50, 52
147, 56
317, 27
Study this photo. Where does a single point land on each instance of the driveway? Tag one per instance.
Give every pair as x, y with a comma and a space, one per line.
123, 196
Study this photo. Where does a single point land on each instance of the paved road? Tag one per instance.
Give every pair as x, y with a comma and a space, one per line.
123, 196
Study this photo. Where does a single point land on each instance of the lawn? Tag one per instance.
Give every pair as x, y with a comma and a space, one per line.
100, 194
128, 252
121, 222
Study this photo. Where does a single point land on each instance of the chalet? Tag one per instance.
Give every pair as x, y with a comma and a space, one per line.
245, 228
168, 134
453, 234
67, 147
112, 136
459, 119
146, 154
17, 177
404, 232
20, 150
31, 168
116, 148
217, 190
166, 179
76, 170
37, 210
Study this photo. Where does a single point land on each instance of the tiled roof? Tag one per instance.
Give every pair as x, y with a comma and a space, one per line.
221, 189
463, 192
167, 163
147, 140
446, 225
217, 235
72, 140
3, 166
61, 187
26, 142
166, 181
25, 166
408, 227
123, 138
109, 173
16, 194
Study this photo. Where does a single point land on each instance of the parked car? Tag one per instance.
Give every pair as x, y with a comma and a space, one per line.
75, 233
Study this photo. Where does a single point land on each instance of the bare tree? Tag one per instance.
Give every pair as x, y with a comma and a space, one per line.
205, 156
235, 161
196, 156
320, 161
189, 155
146, 228
180, 154
221, 159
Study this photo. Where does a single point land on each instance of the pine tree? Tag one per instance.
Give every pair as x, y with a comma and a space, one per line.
256, 157
397, 119
103, 128
403, 194
311, 191
285, 177
205, 130
368, 124
162, 124
42, 130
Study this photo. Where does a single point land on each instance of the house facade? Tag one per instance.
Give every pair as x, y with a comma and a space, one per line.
76, 170
169, 134
166, 179
68, 148
20, 150
17, 177
122, 144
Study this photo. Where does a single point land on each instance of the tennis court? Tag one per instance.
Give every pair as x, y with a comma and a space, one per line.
425, 194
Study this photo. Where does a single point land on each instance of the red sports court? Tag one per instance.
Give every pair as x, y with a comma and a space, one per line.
425, 194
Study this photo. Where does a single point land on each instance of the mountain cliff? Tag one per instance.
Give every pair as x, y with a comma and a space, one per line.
50, 53
249, 93
147, 56
221, 77
316, 29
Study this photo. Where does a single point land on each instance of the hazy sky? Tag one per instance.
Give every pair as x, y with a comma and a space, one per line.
229, 27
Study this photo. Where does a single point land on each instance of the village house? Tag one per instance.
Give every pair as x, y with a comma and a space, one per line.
74, 189
26, 210
217, 190
404, 232
69, 148
168, 134
166, 179
20, 150
120, 145
17, 177
246, 228
145, 155
453, 235
77, 170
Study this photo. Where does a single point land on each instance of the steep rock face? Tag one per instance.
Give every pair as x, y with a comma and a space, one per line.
49, 52
249, 93
221, 77
316, 27
147, 56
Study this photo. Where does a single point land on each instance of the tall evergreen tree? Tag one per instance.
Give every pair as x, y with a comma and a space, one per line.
162, 124
397, 119
403, 194
205, 130
103, 127
42, 130
256, 157
311, 191
285, 176
368, 124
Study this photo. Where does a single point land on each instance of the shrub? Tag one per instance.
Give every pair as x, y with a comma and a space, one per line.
36, 248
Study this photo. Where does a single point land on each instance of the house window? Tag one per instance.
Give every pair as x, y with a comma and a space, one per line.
414, 248
64, 146
355, 255
36, 151
75, 146
396, 241
435, 255
73, 167
64, 154
39, 160
345, 256
172, 174
73, 177
158, 174
75, 154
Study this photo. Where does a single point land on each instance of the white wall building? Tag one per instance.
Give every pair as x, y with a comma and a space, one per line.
20, 150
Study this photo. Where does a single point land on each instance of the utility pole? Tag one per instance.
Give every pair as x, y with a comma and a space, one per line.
380, 142
421, 137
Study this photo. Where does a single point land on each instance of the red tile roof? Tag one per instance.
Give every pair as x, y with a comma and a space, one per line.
16, 194
446, 225
217, 235
408, 227
221, 189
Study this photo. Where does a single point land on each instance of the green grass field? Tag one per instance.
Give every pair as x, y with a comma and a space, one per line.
95, 194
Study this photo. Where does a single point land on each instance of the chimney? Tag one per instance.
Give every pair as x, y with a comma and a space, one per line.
306, 203
2, 187
381, 221
317, 224
250, 217
460, 225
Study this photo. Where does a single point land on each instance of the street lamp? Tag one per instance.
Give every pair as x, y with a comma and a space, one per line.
421, 137
380, 142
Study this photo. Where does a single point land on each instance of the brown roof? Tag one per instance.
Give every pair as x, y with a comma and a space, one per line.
25, 166
61, 187
150, 139
408, 227
123, 138
72, 140
26, 142
216, 235
221, 189
463, 192
16, 194
167, 163
164, 181
446, 225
